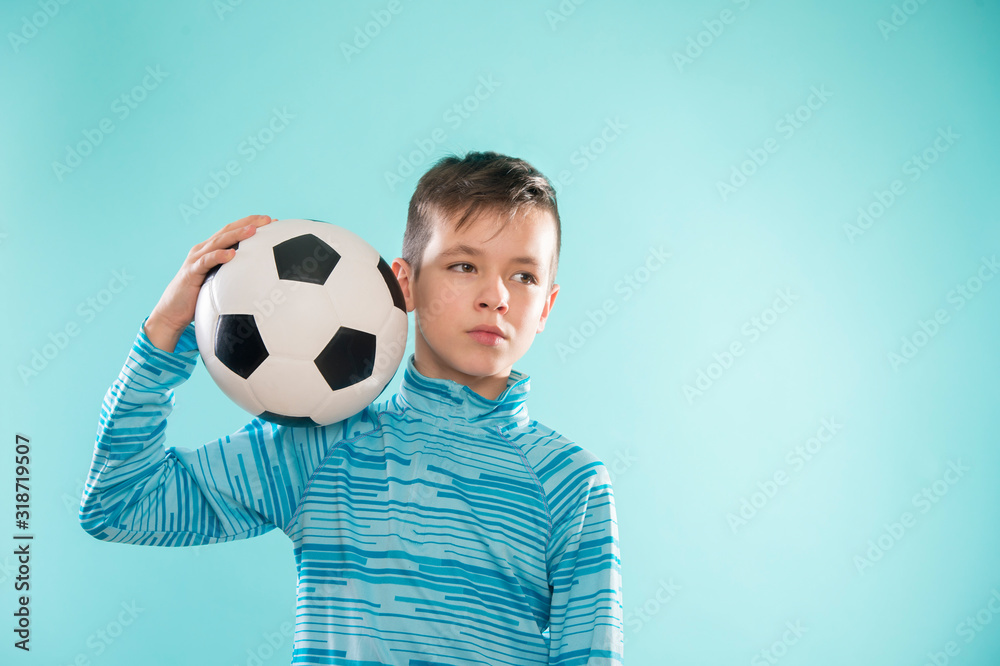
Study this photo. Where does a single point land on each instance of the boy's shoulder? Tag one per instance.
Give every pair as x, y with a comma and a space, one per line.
555, 458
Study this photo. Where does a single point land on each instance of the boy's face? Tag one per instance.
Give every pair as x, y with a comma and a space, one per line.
468, 279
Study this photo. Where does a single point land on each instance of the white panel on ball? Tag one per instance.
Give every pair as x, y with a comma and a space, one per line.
271, 387
368, 310
391, 346
300, 326
252, 292
349, 244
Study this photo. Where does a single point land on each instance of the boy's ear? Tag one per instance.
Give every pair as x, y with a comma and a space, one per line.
403, 274
548, 307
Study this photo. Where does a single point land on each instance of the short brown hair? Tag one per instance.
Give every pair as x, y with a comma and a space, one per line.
463, 188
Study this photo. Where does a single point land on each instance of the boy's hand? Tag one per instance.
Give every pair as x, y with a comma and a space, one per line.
176, 307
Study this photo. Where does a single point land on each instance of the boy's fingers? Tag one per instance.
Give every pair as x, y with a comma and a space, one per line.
230, 234
235, 229
232, 237
211, 259
256, 220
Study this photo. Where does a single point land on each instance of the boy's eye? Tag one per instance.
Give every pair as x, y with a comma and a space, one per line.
530, 279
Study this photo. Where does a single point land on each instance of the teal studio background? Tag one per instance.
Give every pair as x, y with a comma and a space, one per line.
777, 324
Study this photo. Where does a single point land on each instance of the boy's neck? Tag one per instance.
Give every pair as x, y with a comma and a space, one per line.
489, 387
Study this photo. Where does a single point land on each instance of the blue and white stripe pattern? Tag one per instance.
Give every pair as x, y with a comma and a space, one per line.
435, 528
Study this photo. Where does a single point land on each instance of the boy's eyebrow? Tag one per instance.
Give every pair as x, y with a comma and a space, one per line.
462, 249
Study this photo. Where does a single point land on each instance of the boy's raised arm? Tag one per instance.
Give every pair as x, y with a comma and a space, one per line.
175, 310
139, 491
585, 617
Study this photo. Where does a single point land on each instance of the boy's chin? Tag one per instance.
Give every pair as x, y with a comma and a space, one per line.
470, 360
479, 362
479, 368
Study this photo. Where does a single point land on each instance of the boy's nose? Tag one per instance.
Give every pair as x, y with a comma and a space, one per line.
502, 307
495, 297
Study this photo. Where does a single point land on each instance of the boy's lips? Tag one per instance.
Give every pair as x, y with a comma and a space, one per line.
489, 329
487, 335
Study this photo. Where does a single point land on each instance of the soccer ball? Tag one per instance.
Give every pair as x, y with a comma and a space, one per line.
304, 326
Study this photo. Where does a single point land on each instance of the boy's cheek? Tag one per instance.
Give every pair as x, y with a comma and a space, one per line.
449, 290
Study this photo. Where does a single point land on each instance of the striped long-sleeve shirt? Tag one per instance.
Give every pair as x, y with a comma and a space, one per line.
437, 527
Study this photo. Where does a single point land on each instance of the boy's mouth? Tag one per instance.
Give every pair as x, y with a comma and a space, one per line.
487, 335
484, 338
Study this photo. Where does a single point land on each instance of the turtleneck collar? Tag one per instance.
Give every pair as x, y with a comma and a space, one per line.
449, 400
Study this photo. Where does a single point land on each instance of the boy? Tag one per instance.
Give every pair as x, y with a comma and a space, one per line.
441, 526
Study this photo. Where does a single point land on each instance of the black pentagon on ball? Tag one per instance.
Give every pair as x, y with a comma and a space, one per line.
238, 344
349, 358
393, 284
305, 258
294, 421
